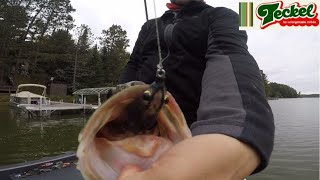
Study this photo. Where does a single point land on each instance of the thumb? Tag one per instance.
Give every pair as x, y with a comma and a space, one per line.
128, 171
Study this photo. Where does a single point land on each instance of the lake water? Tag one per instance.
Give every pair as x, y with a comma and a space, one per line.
23, 139
295, 155
296, 150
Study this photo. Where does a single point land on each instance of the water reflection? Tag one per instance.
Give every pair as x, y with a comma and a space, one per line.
295, 155
296, 149
23, 139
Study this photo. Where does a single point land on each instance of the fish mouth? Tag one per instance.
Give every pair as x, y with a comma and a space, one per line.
109, 141
118, 131
107, 122
137, 116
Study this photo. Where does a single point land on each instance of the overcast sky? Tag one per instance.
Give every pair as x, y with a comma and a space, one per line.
287, 56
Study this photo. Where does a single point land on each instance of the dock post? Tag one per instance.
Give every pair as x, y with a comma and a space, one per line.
29, 99
40, 107
99, 100
84, 105
81, 98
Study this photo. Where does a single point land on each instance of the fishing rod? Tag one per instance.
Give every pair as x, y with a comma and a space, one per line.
146, 9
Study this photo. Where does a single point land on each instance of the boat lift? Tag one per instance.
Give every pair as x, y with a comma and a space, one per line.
39, 105
93, 92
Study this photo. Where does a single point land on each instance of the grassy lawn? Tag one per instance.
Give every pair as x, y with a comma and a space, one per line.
4, 98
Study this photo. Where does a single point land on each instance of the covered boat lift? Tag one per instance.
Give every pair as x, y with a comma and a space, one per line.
93, 92
39, 105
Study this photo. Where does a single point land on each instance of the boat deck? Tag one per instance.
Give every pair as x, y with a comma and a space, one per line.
45, 168
56, 106
61, 174
36, 110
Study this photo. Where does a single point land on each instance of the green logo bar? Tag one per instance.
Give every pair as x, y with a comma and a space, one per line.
292, 15
246, 14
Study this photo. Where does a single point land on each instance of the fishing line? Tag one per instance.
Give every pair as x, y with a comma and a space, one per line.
158, 36
159, 84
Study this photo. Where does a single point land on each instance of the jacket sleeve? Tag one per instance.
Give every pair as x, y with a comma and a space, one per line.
233, 100
130, 70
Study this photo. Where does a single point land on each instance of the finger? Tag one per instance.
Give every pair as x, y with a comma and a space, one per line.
127, 171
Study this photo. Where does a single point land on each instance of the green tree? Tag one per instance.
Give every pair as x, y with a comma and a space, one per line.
114, 38
53, 14
24, 24
96, 76
54, 57
282, 91
266, 84
36, 44
114, 55
82, 57
85, 38
40, 17
13, 20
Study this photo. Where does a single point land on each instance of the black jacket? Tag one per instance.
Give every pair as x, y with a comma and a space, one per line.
210, 73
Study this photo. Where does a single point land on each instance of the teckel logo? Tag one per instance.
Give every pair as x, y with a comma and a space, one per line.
294, 15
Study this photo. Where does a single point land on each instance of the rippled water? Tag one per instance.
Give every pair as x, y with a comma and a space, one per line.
296, 150
295, 155
22, 139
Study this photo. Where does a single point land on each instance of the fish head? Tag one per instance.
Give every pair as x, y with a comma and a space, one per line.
129, 129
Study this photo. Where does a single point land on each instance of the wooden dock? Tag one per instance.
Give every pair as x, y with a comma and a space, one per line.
57, 106
47, 109
39, 105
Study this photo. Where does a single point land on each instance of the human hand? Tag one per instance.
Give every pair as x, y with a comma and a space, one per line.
213, 156
130, 171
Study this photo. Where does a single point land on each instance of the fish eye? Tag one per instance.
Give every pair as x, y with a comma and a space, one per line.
166, 99
147, 95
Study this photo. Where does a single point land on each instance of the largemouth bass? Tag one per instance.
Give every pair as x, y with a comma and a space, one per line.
129, 129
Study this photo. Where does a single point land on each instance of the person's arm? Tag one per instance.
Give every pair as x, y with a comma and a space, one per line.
233, 100
202, 157
233, 135
130, 71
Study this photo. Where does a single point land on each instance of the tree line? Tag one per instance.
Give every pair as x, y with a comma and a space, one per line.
39, 42
275, 90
